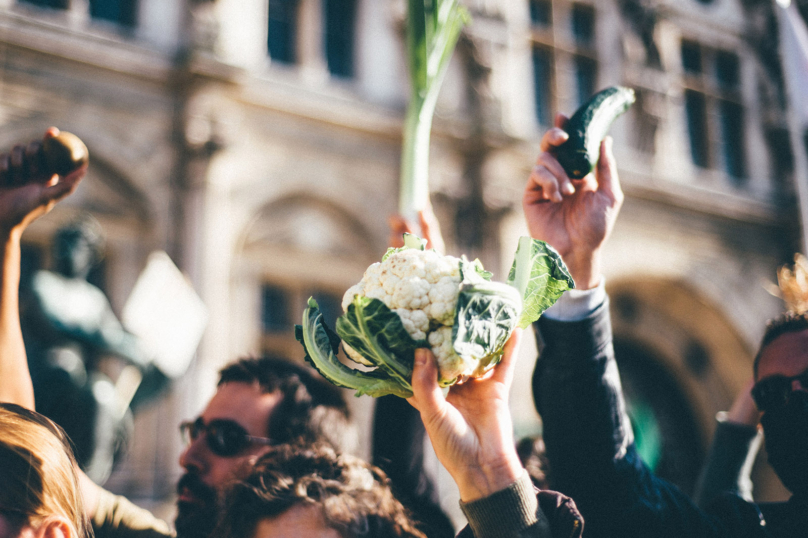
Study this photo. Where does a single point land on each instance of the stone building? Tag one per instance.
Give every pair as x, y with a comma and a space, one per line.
257, 142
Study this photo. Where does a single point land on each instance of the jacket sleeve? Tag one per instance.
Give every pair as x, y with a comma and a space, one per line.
398, 449
521, 511
589, 442
117, 517
729, 462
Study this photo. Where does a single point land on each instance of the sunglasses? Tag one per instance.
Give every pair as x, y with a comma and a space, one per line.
224, 438
774, 392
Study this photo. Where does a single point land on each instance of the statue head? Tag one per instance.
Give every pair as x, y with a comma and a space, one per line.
78, 246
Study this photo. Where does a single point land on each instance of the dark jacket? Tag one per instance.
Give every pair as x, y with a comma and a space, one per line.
592, 457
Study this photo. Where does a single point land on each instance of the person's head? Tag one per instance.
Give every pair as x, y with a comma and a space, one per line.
781, 394
39, 492
259, 402
78, 246
312, 491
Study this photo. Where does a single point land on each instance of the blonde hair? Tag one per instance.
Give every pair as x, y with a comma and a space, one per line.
38, 471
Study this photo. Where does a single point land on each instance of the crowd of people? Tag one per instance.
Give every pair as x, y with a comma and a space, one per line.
267, 456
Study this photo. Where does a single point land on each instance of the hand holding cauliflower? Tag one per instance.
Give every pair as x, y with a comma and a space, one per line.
419, 298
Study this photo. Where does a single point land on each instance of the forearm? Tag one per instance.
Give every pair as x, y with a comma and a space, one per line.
729, 462
15, 379
576, 388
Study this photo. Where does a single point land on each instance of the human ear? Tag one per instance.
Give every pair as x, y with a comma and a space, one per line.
55, 527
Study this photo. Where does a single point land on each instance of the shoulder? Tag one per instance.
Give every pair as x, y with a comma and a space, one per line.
118, 517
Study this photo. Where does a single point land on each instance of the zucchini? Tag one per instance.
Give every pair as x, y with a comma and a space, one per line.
587, 127
64, 153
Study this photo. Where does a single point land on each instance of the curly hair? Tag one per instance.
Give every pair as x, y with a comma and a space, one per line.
311, 410
354, 497
789, 322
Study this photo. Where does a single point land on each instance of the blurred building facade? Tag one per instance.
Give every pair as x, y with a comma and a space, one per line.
257, 142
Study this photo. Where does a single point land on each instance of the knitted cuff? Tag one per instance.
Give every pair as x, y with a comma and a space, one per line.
506, 513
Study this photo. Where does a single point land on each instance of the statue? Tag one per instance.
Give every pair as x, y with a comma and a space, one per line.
69, 326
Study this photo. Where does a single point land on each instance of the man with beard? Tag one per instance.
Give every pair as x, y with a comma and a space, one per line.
259, 402
576, 385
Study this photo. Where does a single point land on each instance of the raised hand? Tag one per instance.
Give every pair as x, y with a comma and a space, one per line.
27, 191
574, 216
470, 429
430, 230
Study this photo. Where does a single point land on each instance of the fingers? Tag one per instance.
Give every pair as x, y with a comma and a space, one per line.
549, 179
398, 227
553, 138
560, 120
607, 177
430, 229
65, 186
24, 163
17, 160
33, 160
427, 395
504, 371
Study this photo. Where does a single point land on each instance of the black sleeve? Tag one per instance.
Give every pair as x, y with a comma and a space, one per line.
398, 449
729, 463
589, 442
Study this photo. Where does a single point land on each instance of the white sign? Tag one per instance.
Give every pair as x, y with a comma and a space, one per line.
167, 315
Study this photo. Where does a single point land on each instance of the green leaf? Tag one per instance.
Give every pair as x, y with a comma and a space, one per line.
410, 242
321, 345
539, 275
485, 317
433, 28
377, 333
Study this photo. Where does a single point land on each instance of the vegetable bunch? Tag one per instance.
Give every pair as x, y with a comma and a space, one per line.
418, 298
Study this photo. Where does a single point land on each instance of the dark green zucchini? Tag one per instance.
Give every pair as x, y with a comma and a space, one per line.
588, 126
64, 153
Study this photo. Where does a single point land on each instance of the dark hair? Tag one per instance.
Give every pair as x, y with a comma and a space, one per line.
310, 410
354, 497
788, 322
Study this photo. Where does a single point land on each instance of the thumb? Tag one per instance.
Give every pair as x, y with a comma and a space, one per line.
607, 170
427, 396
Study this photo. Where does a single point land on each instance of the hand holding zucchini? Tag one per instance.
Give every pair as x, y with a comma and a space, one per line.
58, 152
588, 126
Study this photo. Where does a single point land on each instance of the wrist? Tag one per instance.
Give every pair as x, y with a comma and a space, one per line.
584, 268
481, 481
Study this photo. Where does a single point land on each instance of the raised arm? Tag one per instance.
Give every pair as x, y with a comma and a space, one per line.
732, 453
26, 193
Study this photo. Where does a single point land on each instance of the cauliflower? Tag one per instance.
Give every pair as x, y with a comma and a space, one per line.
418, 298
422, 287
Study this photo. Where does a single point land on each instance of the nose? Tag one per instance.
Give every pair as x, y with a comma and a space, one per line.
195, 456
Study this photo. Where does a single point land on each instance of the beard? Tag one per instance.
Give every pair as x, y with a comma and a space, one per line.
196, 519
786, 434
